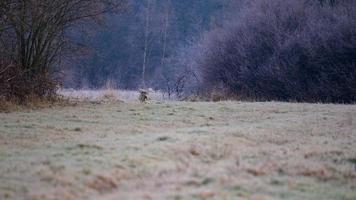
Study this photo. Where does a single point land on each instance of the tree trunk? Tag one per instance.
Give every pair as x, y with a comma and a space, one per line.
144, 64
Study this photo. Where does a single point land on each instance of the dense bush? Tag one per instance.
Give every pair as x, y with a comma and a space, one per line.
284, 50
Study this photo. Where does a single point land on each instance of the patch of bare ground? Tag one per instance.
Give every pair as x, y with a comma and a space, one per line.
179, 150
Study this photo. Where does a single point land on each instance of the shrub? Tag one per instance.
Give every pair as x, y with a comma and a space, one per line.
35, 40
284, 50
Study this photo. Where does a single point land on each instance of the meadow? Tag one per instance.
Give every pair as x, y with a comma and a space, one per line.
179, 150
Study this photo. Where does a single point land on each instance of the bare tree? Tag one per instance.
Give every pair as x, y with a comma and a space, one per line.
166, 20
35, 33
166, 17
146, 42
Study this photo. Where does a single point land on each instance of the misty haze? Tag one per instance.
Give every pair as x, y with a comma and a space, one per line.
177, 99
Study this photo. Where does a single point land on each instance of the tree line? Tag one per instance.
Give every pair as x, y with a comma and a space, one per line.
143, 46
284, 50
291, 50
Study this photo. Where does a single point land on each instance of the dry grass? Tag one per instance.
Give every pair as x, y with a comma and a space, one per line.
7, 105
33, 102
112, 94
69, 97
179, 150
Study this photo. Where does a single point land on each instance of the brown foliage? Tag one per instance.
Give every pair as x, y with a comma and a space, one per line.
33, 42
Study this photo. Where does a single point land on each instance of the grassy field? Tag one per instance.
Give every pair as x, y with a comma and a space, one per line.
179, 151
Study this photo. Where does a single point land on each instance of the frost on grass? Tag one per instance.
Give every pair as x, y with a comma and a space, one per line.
110, 95
179, 150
